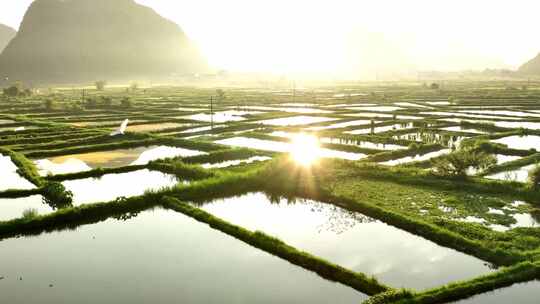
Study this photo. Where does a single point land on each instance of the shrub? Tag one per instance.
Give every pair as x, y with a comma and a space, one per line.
100, 85
30, 214
107, 101
534, 177
91, 102
458, 163
57, 196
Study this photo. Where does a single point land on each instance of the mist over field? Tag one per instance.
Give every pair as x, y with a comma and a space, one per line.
162, 40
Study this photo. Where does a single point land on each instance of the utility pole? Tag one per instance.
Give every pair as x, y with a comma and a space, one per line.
294, 92
212, 112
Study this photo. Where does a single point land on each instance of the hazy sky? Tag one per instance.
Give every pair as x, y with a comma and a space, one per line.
323, 35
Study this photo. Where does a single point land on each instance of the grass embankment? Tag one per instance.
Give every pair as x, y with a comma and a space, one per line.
413, 150
37, 139
339, 147
73, 217
130, 141
94, 173
26, 168
180, 169
512, 165
416, 177
505, 277
20, 193
276, 247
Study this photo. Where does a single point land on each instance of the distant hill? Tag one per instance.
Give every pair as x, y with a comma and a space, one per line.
6, 34
68, 41
531, 67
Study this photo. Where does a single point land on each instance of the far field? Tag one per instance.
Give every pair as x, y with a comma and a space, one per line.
352, 193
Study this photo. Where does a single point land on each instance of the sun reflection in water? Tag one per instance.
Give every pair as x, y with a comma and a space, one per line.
305, 149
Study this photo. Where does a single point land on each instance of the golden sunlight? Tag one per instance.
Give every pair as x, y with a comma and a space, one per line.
305, 149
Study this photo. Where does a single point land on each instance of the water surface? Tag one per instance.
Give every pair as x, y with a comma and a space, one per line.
520, 142
285, 147
296, 120
157, 257
9, 178
352, 240
418, 157
109, 159
111, 186
13, 208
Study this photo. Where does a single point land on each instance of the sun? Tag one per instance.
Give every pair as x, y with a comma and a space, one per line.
305, 149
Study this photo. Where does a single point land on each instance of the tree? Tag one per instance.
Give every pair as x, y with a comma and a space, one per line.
133, 86
12, 91
220, 94
57, 196
49, 104
125, 102
100, 85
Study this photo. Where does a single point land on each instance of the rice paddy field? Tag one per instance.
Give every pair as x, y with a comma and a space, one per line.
333, 194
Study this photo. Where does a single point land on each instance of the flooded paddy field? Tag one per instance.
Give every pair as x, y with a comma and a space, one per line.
335, 194
111, 253
108, 159
351, 240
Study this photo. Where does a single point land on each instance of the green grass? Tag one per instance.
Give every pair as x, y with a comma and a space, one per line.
26, 168
505, 277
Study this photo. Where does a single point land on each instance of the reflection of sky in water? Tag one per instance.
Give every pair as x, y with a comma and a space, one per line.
111, 186
524, 293
157, 257
455, 114
276, 146
295, 120
343, 141
12, 208
377, 108
342, 125
522, 220
237, 162
419, 157
410, 104
293, 109
463, 129
518, 175
502, 112
109, 159
9, 178
514, 124
520, 142
351, 240
381, 129
218, 117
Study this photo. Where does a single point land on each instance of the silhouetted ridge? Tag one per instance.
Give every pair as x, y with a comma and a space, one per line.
6, 34
82, 40
531, 67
